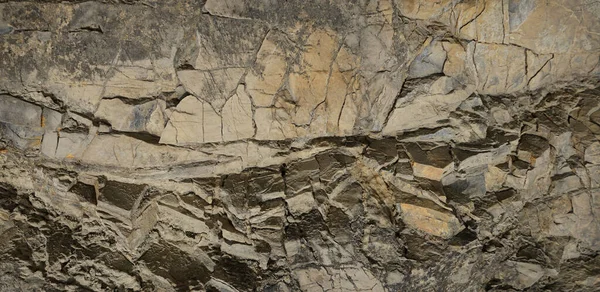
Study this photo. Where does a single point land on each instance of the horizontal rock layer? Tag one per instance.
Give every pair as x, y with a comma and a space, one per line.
300, 146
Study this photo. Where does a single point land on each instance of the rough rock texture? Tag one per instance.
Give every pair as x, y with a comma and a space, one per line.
257, 145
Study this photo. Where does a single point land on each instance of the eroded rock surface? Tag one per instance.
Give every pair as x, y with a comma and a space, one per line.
230, 145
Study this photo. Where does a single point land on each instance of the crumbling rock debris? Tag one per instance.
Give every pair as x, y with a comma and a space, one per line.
250, 145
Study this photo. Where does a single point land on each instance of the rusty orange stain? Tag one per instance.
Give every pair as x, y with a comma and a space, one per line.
37, 142
70, 156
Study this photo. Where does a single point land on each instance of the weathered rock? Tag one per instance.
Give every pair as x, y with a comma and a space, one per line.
429, 111
508, 62
147, 117
21, 122
193, 121
267, 78
237, 117
429, 62
213, 86
430, 221
249, 145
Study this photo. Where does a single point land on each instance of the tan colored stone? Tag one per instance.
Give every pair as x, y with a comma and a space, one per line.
318, 124
433, 222
345, 60
226, 8
486, 26
455, 65
429, 61
376, 49
222, 43
566, 67
463, 13
156, 122
237, 117
131, 82
69, 145
124, 151
494, 179
427, 171
82, 98
559, 26
349, 114
592, 153
211, 125
338, 90
422, 10
309, 81
147, 117
192, 122
284, 140
442, 85
329, 279
527, 274
264, 81
301, 204
424, 112
128, 79
274, 124
185, 123
340, 81
535, 64
308, 91
381, 92
213, 86
246, 252
500, 69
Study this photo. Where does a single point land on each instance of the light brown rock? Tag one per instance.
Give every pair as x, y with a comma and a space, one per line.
422, 10
455, 65
264, 81
500, 69
185, 123
424, 112
214, 86
148, 117
309, 80
428, 62
433, 222
237, 116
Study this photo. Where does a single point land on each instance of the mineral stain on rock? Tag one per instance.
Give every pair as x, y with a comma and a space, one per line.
250, 145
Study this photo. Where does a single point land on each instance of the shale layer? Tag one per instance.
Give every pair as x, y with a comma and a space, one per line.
260, 145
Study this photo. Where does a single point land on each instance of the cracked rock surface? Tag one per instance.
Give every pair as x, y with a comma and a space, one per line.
327, 145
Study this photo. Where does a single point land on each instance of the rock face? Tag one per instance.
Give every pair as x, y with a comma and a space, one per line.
253, 145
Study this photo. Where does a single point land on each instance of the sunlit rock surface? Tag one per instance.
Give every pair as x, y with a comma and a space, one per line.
254, 145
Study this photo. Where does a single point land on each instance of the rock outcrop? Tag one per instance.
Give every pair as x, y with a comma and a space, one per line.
254, 145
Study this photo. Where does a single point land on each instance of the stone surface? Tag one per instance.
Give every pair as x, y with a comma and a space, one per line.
430, 221
249, 145
143, 118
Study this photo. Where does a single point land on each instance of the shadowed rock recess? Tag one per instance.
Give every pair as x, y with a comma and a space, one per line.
326, 145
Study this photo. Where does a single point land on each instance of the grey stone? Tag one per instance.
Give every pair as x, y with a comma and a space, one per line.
250, 145
428, 62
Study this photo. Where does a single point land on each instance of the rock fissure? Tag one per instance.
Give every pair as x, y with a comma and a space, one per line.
244, 145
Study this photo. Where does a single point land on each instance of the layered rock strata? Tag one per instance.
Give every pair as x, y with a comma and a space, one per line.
300, 145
